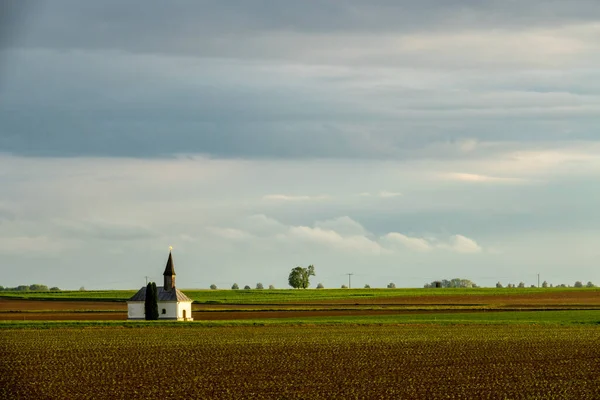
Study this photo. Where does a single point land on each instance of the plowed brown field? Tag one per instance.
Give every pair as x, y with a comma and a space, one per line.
208, 316
302, 362
56, 305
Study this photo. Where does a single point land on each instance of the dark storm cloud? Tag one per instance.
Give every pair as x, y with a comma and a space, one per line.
12, 14
291, 79
207, 27
12, 17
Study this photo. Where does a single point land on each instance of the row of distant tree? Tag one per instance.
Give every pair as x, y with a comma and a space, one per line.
260, 286
452, 283
299, 279
445, 283
235, 286
545, 284
29, 288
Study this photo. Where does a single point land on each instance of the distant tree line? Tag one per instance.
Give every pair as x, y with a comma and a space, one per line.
31, 288
452, 283
299, 278
235, 286
545, 284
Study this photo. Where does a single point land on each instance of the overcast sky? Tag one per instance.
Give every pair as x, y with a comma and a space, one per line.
401, 141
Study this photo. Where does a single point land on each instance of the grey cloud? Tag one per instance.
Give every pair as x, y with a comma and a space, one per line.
6, 215
178, 27
318, 32
259, 79
149, 107
12, 17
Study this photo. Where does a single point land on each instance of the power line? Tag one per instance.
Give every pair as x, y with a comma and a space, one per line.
349, 280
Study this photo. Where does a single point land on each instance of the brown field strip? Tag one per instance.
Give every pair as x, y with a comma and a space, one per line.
209, 315
57, 305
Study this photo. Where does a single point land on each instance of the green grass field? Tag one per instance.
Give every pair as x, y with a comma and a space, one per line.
284, 295
572, 317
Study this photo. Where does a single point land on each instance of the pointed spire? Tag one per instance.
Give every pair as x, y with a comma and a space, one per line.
169, 269
169, 274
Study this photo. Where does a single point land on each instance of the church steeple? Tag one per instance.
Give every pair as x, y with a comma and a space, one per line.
169, 274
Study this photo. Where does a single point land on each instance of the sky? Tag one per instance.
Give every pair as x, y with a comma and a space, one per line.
400, 141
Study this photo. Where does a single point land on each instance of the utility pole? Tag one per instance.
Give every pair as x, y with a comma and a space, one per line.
147, 280
349, 280
538, 280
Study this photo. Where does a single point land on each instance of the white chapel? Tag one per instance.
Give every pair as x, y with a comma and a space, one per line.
172, 303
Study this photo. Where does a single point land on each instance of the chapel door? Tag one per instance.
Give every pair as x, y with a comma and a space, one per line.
184, 314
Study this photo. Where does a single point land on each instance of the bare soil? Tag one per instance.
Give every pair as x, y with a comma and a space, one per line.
303, 362
22, 305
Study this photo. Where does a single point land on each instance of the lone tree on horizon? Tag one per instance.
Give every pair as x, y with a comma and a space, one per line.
299, 277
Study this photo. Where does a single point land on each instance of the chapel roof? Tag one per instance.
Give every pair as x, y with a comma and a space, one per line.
162, 294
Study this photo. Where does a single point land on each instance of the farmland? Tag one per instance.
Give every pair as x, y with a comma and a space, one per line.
285, 361
349, 296
342, 344
260, 304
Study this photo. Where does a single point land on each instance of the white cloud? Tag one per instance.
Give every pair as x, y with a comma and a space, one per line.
464, 177
340, 233
513, 163
262, 225
284, 197
584, 155
462, 244
385, 194
468, 145
343, 225
331, 238
413, 243
382, 194
229, 233
456, 243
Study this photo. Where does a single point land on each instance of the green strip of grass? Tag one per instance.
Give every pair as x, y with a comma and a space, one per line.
586, 317
284, 295
72, 295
